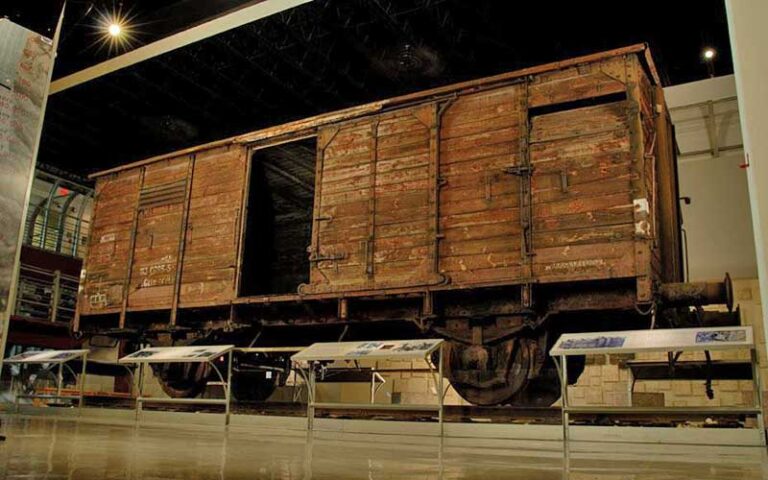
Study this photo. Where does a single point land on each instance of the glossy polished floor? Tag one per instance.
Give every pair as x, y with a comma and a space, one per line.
39, 448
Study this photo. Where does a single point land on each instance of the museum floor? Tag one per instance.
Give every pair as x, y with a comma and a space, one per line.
39, 448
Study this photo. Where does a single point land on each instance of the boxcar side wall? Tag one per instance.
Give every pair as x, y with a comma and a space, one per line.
167, 235
556, 177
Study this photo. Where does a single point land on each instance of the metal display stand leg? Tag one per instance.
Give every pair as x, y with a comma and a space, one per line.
59, 380
437, 377
82, 384
564, 398
140, 388
440, 392
225, 383
228, 391
14, 387
311, 397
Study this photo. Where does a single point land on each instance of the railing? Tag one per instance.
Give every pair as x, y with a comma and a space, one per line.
46, 295
58, 215
67, 235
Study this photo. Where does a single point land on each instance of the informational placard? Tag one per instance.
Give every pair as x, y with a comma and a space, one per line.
26, 60
47, 356
658, 340
200, 353
375, 350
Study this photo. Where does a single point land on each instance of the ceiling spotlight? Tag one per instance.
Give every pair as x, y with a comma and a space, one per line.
709, 53
114, 30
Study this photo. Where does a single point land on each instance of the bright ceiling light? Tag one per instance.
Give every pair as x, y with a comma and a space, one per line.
114, 29
709, 53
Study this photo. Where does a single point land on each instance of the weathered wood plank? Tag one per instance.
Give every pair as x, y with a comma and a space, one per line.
574, 88
578, 122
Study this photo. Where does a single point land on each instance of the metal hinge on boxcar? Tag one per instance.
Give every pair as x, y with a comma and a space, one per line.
329, 257
519, 170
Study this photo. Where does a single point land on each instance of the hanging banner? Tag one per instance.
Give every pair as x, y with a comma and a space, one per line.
26, 60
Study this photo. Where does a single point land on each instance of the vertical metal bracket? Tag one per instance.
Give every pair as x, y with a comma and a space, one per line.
131, 249
433, 233
370, 243
524, 170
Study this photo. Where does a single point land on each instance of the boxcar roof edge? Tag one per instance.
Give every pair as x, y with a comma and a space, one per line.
377, 106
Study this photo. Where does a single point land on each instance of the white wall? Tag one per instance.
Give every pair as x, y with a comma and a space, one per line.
718, 220
749, 37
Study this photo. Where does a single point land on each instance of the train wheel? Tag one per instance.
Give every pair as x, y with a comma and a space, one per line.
544, 389
516, 372
489, 374
253, 386
541, 391
182, 380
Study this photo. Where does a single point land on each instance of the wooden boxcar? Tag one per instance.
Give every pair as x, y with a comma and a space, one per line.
495, 213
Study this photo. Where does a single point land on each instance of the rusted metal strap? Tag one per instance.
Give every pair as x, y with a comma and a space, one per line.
437, 182
327, 258
524, 170
182, 239
370, 243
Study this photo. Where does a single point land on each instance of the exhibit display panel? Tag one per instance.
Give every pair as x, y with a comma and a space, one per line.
671, 341
26, 63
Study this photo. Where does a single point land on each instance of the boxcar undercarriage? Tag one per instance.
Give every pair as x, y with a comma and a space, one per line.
496, 349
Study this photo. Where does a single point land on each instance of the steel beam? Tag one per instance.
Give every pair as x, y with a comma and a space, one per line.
208, 29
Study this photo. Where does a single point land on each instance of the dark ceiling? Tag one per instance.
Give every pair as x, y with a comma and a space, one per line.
324, 56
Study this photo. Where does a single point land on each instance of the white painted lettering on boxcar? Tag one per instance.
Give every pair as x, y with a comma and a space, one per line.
575, 265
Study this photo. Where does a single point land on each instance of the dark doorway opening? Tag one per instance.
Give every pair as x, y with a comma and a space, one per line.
278, 226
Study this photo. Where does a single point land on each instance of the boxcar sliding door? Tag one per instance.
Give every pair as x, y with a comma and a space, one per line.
375, 203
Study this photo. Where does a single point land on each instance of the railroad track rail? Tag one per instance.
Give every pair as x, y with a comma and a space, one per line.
452, 414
